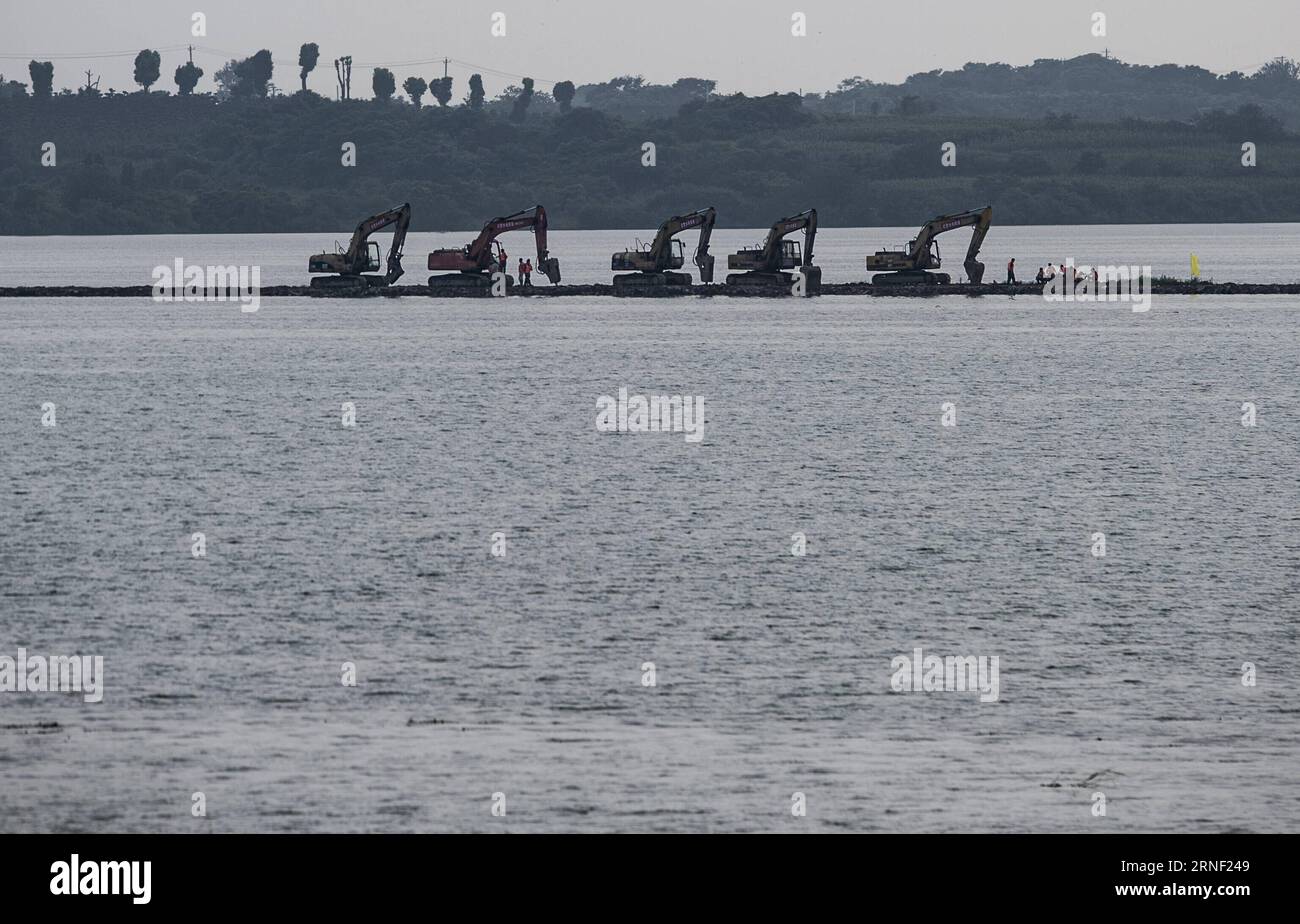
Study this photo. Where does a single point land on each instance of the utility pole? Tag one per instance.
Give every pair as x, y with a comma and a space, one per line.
343, 74
444, 68
191, 54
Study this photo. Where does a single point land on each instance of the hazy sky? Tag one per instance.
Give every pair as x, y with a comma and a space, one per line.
743, 44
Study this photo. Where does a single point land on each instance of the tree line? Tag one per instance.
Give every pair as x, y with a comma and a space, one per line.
1089, 86
252, 77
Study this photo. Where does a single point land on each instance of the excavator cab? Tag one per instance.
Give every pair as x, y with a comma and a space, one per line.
372, 257
641, 259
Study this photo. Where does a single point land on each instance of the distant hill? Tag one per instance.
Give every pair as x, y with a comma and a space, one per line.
1090, 87
1093, 87
143, 163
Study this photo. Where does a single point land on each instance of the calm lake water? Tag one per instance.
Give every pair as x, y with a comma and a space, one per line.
522, 675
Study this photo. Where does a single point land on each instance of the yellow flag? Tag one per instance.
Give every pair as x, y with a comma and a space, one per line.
1196, 267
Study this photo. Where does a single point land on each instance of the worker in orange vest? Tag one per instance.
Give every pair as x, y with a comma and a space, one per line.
1011, 271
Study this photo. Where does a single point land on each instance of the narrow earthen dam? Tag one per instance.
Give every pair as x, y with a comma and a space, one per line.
708, 291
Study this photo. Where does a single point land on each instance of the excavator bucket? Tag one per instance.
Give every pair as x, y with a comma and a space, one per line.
974, 271
551, 269
706, 267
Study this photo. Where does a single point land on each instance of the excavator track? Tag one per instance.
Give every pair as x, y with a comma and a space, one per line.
759, 279
640, 284
812, 276
910, 278
464, 281
651, 284
334, 284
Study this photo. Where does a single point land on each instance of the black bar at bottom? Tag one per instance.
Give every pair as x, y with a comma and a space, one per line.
336, 873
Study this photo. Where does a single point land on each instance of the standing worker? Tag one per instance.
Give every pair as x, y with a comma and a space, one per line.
528, 271
1011, 271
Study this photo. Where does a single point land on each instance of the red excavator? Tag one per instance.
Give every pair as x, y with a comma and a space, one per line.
474, 264
765, 264
650, 268
348, 268
909, 267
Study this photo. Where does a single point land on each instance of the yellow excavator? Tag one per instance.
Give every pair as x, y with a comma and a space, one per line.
765, 264
649, 268
348, 269
911, 266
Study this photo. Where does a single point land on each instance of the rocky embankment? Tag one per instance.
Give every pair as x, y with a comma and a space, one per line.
715, 289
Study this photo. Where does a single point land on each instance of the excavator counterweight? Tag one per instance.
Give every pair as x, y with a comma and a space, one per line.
350, 269
912, 266
765, 265
649, 270
473, 265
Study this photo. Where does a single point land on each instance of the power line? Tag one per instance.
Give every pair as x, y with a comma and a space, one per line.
498, 73
89, 57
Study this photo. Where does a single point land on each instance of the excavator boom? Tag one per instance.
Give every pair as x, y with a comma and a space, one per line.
702, 219
703, 260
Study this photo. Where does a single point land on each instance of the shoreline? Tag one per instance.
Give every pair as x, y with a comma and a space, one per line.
702, 290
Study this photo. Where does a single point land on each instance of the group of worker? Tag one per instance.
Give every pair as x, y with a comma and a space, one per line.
525, 268
1048, 274
1068, 274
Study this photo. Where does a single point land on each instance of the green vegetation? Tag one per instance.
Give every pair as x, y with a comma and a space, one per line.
1092, 87
241, 160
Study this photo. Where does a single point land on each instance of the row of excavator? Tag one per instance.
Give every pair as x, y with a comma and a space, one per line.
648, 268
471, 266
